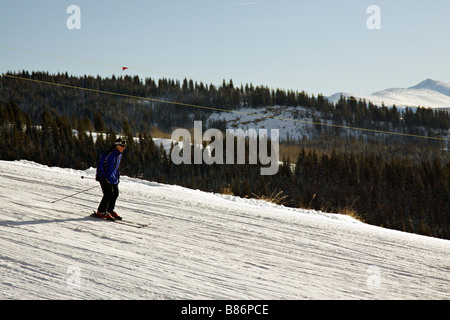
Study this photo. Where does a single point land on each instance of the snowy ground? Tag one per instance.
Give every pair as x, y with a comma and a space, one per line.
293, 122
199, 246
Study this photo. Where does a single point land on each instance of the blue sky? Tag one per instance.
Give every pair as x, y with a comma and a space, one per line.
320, 46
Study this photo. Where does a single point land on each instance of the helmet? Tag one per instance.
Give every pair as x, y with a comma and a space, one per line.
120, 142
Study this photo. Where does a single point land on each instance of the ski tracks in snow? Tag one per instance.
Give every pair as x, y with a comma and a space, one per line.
199, 246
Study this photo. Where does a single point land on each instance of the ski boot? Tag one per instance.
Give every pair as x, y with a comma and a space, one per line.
115, 215
105, 215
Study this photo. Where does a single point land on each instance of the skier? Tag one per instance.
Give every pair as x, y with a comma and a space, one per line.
108, 176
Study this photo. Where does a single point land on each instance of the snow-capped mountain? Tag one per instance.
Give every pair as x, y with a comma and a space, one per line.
429, 93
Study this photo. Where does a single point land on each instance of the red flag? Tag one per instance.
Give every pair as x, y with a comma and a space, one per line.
124, 68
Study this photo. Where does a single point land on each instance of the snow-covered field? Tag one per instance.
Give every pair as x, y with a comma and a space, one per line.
293, 122
199, 246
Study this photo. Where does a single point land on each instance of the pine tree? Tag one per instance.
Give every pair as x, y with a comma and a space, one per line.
99, 125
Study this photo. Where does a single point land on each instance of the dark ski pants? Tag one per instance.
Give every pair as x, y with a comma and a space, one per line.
110, 194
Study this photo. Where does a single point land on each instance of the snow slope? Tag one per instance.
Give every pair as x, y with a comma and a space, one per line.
199, 246
429, 93
293, 122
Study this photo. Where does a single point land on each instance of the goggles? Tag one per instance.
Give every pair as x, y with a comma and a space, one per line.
120, 142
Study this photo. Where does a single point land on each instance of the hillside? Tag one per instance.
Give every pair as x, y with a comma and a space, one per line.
170, 104
199, 246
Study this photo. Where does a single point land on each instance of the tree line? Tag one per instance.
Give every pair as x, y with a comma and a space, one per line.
33, 97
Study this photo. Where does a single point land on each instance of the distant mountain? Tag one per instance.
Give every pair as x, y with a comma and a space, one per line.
438, 86
429, 93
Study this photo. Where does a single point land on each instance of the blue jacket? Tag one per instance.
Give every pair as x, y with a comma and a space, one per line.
108, 167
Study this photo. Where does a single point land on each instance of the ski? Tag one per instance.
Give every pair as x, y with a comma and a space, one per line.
124, 222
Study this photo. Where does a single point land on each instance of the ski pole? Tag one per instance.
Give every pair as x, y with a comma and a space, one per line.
83, 177
74, 194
